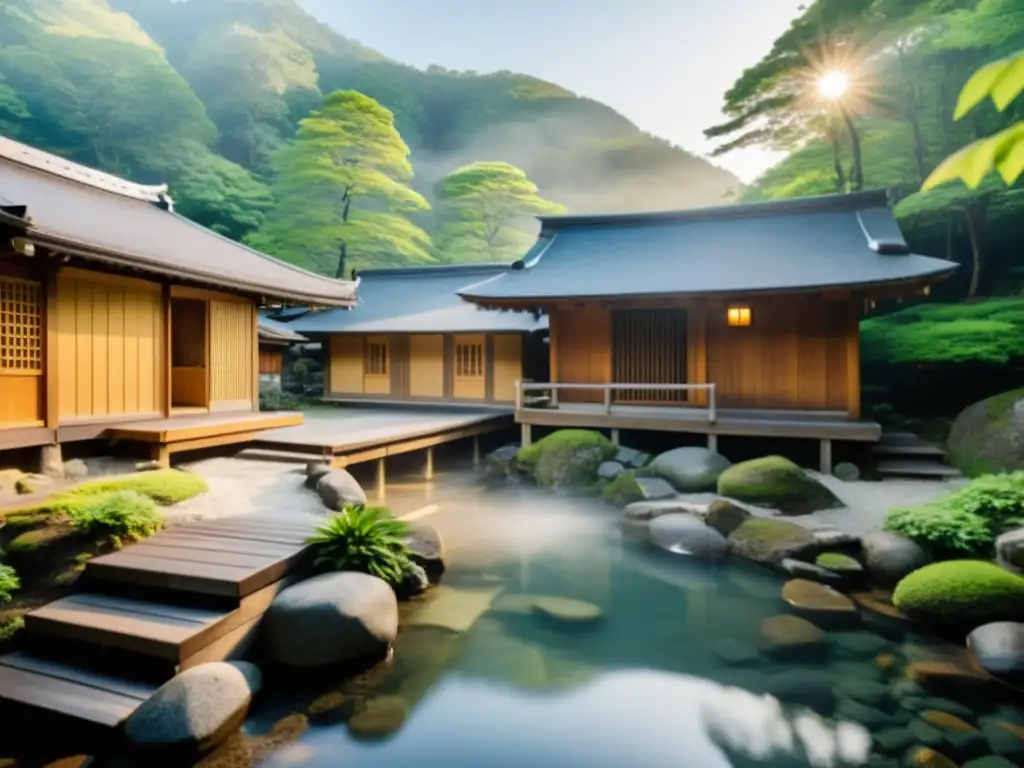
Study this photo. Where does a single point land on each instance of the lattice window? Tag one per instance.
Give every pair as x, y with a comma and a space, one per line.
469, 360
21, 326
376, 359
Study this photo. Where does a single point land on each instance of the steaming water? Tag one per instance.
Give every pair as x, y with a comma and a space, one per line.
480, 680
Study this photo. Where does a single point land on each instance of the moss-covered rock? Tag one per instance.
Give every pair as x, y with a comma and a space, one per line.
689, 469
839, 563
769, 542
961, 593
988, 436
778, 483
623, 490
568, 458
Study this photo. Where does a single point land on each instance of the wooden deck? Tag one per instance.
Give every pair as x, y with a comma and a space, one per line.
190, 594
344, 436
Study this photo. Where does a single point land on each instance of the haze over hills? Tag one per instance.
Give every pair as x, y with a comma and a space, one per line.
200, 93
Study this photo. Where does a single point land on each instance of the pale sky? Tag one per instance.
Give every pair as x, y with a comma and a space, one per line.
664, 64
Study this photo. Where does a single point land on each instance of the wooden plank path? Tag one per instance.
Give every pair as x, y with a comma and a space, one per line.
192, 593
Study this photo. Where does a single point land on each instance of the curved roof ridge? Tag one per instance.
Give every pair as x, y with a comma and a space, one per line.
436, 269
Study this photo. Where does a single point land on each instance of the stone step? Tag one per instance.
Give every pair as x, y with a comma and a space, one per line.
899, 438
916, 468
920, 451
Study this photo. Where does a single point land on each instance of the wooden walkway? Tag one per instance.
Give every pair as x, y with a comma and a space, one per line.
190, 594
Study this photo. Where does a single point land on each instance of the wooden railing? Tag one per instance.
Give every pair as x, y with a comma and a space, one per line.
523, 400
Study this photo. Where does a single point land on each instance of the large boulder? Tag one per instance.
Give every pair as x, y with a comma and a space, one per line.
998, 648
316, 470
196, 710
632, 458
427, 549
338, 488
889, 557
609, 470
502, 463
568, 458
687, 535
725, 516
988, 437
769, 542
961, 594
777, 483
690, 469
1010, 549
331, 619
626, 489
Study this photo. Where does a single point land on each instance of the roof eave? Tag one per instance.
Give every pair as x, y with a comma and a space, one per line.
132, 261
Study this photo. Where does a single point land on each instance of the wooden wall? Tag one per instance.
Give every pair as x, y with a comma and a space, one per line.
271, 359
110, 346
22, 349
232, 363
428, 367
799, 352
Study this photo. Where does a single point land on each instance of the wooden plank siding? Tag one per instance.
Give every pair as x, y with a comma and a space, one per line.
799, 352
232, 355
271, 360
429, 367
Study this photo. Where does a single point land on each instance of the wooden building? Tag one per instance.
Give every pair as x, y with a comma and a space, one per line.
412, 339
120, 319
736, 320
274, 338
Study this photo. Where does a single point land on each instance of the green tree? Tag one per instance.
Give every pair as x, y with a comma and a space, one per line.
342, 190
485, 210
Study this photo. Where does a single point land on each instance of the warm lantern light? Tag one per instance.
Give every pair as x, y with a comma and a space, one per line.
738, 316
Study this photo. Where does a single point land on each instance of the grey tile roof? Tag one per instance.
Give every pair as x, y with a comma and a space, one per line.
418, 300
809, 243
273, 330
106, 219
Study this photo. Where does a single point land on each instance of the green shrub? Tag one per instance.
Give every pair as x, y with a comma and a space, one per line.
961, 593
567, 458
943, 532
9, 583
10, 626
274, 400
164, 486
365, 539
119, 517
999, 499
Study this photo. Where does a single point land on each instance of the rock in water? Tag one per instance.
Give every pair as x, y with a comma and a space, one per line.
330, 619
632, 458
380, 717
889, 557
567, 459
687, 535
986, 436
769, 542
724, 516
197, 710
787, 636
777, 483
690, 469
502, 463
609, 470
801, 570
1010, 549
998, 648
654, 488
961, 594
645, 511
566, 610
427, 548
809, 598
338, 488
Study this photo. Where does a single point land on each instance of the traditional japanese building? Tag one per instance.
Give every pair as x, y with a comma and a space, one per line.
120, 319
274, 337
737, 320
412, 339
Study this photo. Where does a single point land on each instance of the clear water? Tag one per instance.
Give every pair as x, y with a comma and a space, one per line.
478, 679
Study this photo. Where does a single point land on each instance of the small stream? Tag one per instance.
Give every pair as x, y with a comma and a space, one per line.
670, 674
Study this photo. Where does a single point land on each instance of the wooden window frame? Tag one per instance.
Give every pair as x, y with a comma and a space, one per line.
472, 365
739, 316
377, 358
21, 327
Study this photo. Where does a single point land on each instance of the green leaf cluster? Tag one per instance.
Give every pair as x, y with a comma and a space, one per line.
9, 583
364, 539
119, 517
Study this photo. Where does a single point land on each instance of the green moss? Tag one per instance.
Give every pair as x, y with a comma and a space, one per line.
982, 332
838, 562
772, 531
564, 439
961, 593
118, 517
773, 481
164, 486
10, 626
566, 458
623, 490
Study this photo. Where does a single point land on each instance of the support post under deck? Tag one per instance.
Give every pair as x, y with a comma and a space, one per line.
825, 456
527, 435
476, 450
428, 469
381, 481
713, 442
615, 437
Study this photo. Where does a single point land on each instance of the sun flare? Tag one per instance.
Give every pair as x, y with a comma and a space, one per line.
833, 84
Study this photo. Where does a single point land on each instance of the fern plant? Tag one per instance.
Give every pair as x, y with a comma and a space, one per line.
9, 583
365, 539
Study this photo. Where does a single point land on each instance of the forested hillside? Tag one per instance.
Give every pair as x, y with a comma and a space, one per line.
203, 94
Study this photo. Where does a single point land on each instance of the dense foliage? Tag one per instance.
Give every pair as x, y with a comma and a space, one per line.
206, 95
9, 583
163, 486
365, 539
119, 517
906, 61
965, 522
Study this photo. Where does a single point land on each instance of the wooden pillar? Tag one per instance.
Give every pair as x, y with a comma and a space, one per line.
527, 437
255, 356
161, 454
825, 451
51, 353
165, 298
712, 442
853, 360
615, 437
476, 450
428, 468
381, 481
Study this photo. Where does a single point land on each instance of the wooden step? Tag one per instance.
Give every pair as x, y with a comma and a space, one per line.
236, 557
911, 468
899, 438
922, 451
69, 690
